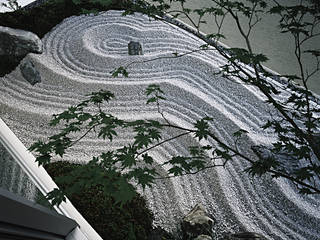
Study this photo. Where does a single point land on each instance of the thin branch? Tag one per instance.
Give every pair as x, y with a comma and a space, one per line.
317, 68
164, 141
170, 57
184, 13
85, 134
250, 19
191, 173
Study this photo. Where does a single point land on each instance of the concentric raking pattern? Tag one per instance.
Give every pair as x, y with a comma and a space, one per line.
79, 55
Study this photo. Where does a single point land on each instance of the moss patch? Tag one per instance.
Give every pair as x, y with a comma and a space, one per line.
132, 221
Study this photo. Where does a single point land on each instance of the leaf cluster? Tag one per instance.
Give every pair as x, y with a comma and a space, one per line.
132, 221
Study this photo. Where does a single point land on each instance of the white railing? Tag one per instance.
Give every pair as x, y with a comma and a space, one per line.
21, 3
44, 182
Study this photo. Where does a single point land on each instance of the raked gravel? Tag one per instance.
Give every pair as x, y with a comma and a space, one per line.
78, 56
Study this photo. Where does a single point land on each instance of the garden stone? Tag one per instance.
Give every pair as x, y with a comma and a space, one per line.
30, 73
159, 234
245, 236
196, 222
203, 237
15, 42
135, 48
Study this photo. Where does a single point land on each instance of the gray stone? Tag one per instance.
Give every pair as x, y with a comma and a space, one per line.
245, 236
135, 48
15, 42
30, 73
203, 237
159, 234
196, 222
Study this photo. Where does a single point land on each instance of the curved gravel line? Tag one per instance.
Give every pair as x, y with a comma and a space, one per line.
78, 56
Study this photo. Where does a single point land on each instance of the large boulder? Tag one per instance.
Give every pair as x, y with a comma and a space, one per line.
196, 223
16, 42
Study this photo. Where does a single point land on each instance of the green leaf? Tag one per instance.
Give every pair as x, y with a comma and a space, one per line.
195, 150
152, 88
124, 193
126, 156
240, 132
267, 125
261, 166
182, 162
142, 140
147, 159
204, 46
151, 100
56, 196
223, 154
277, 9
303, 174
84, 117
43, 159
198, 164
202, 129
144, 176
175, 54
175, 170
100, 96
120, 70
154, 134
155, 124
259, 58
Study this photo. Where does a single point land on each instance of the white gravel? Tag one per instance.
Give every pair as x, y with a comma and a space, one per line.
78, 56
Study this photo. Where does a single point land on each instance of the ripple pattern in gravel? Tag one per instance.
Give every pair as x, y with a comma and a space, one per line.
78, 56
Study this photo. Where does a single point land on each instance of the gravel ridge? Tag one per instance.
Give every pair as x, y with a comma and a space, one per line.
78, 56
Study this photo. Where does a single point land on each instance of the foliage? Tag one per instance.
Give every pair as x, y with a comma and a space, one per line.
11, 5
131, 161
107, 218
295, 122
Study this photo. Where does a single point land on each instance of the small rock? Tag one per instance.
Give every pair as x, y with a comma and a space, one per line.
203, 237
30, 73
245, 236
135, 48
196, 222
159, 234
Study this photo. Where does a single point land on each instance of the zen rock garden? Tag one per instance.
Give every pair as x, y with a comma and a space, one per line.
16, 44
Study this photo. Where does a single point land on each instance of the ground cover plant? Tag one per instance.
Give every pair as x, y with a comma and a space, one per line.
132, 221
